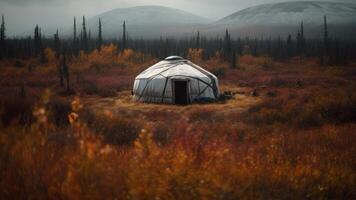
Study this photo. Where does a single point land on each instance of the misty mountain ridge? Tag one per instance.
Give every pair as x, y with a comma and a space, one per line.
281, 19
267, 20
147, 21
151, 15
287, 13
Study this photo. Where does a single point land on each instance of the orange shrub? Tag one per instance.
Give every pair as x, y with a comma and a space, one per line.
331, 106
195, 55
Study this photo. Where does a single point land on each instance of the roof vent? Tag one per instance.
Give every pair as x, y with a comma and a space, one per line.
174, 58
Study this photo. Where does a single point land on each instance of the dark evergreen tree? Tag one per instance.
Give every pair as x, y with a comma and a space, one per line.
100, 36
298, 43
84, 37
38, 46
57, 44
124, 39
326, 40
227, 45
75, 39
2, 38
302, 29
302, 39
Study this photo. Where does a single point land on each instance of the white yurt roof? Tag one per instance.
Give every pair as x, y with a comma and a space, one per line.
175, 66
154, 85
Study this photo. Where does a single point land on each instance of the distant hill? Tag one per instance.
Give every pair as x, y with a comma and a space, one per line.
147, 21
284, 18
268, 20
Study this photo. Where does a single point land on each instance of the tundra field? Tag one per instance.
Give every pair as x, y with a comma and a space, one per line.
289, 131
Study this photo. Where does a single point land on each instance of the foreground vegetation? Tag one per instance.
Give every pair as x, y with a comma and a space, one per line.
288, 134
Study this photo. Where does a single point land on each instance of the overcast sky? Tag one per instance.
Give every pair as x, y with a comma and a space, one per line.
23, 15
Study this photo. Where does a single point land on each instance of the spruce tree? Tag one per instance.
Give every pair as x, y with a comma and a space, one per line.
326, 40
74, 30
298, 43
2, 38
43, 57
124, 39
2, 29
227, 45
57, 44
37, 40
100, 36
75, 38
85, 36
302, 39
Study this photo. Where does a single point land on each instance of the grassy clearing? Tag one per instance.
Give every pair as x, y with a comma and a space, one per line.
294, 139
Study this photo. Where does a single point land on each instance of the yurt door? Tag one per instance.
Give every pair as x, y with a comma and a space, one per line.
180, 92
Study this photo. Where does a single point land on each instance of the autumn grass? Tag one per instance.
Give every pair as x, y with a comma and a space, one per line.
293, 139
199, 161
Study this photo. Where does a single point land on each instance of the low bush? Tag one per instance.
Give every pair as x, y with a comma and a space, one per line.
315, 108
116, 130
15, 110
60, 108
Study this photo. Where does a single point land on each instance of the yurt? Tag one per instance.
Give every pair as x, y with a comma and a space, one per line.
175, 81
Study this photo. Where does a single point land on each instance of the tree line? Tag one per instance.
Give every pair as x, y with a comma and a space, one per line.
329, 51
